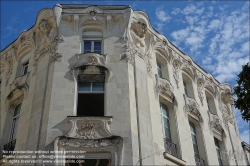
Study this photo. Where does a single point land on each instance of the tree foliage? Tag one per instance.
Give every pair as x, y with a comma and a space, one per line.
242, 91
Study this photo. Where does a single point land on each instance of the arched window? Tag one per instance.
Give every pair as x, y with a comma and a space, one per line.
210, 103
187, 85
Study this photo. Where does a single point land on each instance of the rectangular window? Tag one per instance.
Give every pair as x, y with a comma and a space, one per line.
159, 70
25, 68
92, 46
217, 146
208, 105
165, 121
90, 99
194, 139
185, 88
15, 121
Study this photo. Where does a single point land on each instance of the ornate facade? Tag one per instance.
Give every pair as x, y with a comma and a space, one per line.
101, 80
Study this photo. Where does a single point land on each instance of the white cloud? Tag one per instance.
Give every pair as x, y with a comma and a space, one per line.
180, 34
162, 15
176, 11
245, 47
215, 24
189, 9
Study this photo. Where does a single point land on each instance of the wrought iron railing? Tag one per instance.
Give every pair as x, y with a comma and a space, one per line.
199, 161
170, 148
9, 147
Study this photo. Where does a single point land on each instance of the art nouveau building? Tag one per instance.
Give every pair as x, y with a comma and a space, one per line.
100, 79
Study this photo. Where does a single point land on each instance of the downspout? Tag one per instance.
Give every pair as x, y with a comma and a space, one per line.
137, 114
43, 107
232, 145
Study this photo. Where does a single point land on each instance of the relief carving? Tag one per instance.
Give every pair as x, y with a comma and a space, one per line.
200, 88
176, 66
192, 108
164, 86
9, 58
138, 31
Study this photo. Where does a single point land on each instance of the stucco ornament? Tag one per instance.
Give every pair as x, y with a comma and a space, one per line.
9, 58
46, 40
164, 86
192, 108
176, 66
200, 84
138, 31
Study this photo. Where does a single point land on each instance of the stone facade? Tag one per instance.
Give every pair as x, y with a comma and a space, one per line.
131, 132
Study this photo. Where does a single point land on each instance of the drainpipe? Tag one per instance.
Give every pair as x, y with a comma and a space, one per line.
232, 145
43, 106
137, 114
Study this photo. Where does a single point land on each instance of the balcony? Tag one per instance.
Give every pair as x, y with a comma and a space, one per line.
170, 147
164, 86
192, 108
199, 161
9, 147
216, 126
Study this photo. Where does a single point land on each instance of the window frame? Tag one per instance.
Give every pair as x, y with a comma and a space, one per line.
91, 87
218, 151
168, 121
185, 88
92, 40
159, 69
195, 137
14, 125
25, 67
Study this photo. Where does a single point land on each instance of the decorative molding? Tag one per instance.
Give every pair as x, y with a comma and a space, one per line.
89, 128
9, 58
91, 59
192, 108
164, 86
200, 87
176, 67
216, 125
91, 135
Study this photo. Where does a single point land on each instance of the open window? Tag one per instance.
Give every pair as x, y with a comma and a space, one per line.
91, 91
161, 64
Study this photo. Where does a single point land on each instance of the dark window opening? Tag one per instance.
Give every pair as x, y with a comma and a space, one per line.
90, 105
91, 97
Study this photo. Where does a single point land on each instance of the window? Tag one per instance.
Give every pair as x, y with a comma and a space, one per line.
165, 121
92, 46
216, 141
25, 68
15, 121
185, 88
208, 106
194, 139
159, 70
90, 98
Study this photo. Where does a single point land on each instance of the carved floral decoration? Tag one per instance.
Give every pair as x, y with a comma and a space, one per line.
192, 108
164, 86
200, 84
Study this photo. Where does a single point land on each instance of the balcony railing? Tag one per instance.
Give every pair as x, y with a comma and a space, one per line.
9, 147
199, 161
170, 147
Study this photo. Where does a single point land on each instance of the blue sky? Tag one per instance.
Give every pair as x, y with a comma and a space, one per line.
215, 33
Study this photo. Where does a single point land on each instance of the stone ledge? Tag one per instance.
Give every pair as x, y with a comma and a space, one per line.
174, 159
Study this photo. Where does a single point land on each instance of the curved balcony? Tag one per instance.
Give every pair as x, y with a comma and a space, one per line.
192, 108
164, 86
216, 125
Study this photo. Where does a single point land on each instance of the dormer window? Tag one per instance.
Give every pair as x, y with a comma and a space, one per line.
92, 46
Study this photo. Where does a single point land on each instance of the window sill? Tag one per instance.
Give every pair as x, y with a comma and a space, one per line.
175, 160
